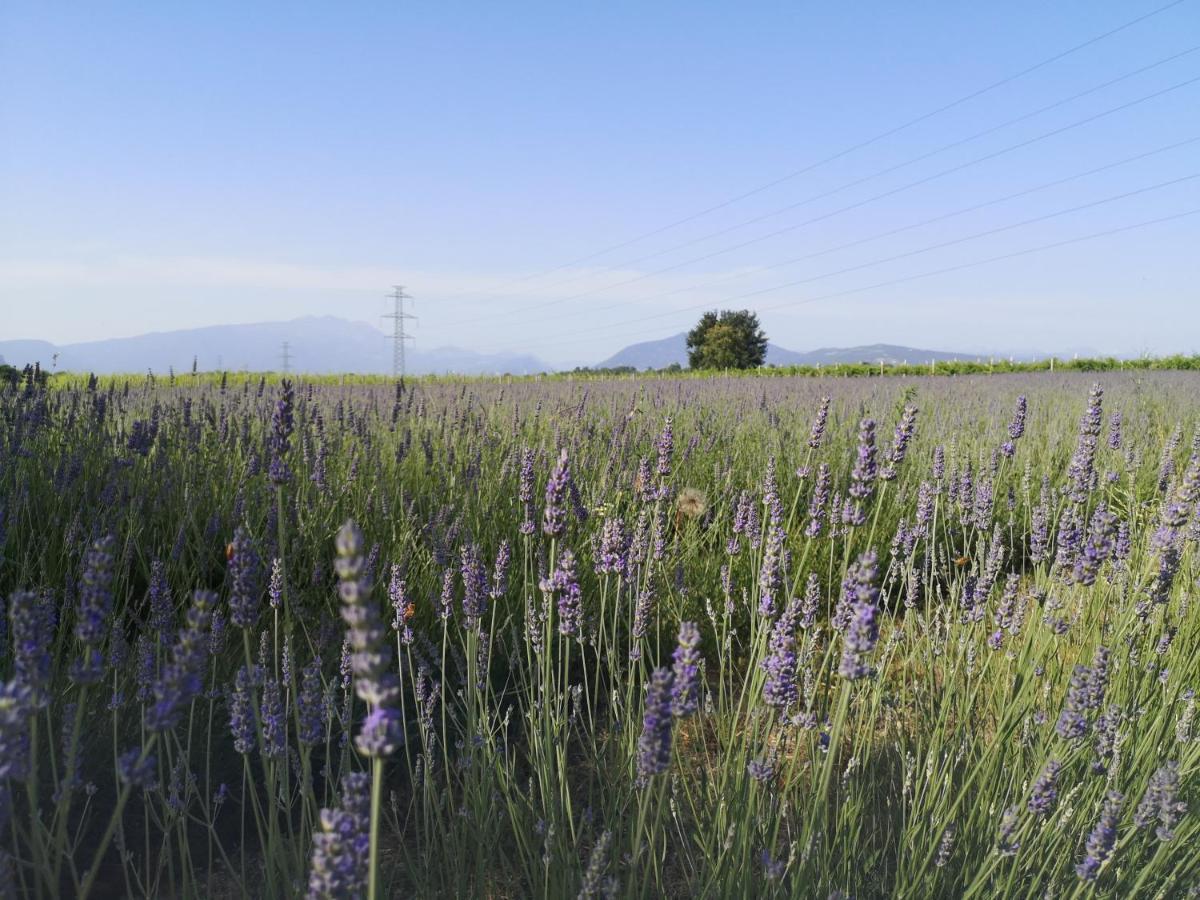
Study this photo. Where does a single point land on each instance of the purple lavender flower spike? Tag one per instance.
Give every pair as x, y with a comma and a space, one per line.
1044, 793
282, 422
1006, 842
865, 471
274, 720
900, 441
401, 602
1072, 723
554, 517
275, 586
817, 432
666, 448
499, 584
341, 849
862, 629
780, 690
446, 599
181, 680
770, 491
818, 501
811, 602
612, 557
16, 708
1081, 471
92, 611
770, 575
32, 622
685, 695
475, 586
245, 594
1161, 802
1016, 428
563, 583
162, 606
241, 712
137, 768
1102, 839
654, 743
525, 491
311, 708
370, 661
1098, 546
643, 607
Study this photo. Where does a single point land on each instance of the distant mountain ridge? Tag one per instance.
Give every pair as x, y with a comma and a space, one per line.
673, 350
316, 345
331, 345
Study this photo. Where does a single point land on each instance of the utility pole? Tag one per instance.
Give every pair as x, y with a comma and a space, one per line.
286, 357
398, 317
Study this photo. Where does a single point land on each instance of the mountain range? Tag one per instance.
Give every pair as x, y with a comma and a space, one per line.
316, 344
673, 350
327, 344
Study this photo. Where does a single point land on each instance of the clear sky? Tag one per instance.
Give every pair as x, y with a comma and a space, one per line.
179, 164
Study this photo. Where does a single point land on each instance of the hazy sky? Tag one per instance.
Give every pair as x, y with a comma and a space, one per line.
179, 164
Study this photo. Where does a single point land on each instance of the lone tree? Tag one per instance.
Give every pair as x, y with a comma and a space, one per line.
727, 340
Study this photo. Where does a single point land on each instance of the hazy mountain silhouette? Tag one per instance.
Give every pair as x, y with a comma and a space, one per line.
317, 344
662, 353
327, 344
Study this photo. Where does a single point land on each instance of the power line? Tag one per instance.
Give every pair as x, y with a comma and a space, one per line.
960, 240
872, 199
1095, 235
894, 231
841, 153
903, 279
399, 316
888, 169
285, 356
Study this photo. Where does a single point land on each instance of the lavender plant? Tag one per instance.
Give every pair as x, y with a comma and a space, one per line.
643, 638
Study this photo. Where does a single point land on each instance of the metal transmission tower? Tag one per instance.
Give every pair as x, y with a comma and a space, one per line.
398, 317
286, 357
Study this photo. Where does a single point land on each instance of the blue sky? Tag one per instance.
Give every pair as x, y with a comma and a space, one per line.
182, 164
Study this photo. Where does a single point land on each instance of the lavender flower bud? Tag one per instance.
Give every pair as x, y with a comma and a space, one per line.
341, 849
865, 471
475, 586
654, 744
1161, 802
281, 434
241, 713
371, 658
311, 708
685, 696
181, 680
817, 432
862, 629
16, 709
1100, 842
94, 606
1044, 793
245, 597
554, 517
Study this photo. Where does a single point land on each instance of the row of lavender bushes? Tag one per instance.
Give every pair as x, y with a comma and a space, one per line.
716, 638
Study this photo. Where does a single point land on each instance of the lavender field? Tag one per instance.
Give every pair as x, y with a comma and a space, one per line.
724, 637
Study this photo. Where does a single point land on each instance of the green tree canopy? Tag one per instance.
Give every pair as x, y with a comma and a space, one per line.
729, 339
